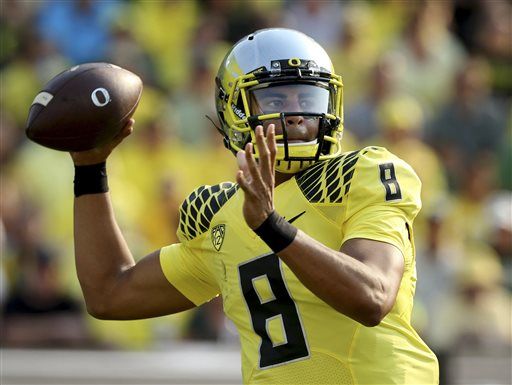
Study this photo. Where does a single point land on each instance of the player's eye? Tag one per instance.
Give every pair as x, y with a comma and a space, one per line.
269, 105
276, 103
307, 104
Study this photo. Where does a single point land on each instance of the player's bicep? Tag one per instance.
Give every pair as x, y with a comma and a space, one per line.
143, 291
189, 269
385, 260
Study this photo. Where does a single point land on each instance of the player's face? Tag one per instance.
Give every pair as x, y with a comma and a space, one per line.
293, 98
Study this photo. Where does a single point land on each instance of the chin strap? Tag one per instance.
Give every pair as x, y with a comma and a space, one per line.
225, 139
214, 124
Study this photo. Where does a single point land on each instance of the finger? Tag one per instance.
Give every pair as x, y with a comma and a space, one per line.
264, 155
272, 145
254, 171
272, 149
243, 182
128, 127
242, 163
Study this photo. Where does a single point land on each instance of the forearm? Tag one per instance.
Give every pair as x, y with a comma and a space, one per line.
100, 250
345, 283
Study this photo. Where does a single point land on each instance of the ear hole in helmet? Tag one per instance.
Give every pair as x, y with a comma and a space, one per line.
325, 127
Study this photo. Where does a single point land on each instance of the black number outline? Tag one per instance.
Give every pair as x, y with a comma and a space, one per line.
390, 196
296, 347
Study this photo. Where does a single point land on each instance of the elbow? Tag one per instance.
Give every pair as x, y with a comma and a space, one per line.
367, 313
374, 309
377, 304
372, 317
98, 310
98, 315
99, 301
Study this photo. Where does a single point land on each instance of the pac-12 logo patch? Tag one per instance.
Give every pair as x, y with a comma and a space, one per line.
218, 236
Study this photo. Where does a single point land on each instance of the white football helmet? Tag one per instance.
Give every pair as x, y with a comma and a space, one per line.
251, 81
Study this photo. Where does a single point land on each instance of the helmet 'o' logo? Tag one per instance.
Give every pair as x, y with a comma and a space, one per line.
100, 97
294, 62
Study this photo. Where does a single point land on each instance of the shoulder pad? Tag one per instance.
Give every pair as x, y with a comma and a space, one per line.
198, 209
381, 177
329, 181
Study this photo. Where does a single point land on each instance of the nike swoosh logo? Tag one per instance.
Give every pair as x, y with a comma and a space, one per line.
296, 217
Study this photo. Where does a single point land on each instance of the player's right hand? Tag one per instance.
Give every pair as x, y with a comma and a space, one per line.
100, 154
257, 179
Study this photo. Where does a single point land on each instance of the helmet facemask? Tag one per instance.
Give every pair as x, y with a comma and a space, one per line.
300, 113
243, 103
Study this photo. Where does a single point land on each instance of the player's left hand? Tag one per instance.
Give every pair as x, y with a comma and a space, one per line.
257, 179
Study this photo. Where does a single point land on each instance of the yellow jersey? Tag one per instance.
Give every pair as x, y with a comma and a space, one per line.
288, 335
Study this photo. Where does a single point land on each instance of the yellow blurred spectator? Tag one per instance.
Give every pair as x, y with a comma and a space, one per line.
427, 55
468, 220
477, 318
164, 29
401, 119
356, 52
19, 86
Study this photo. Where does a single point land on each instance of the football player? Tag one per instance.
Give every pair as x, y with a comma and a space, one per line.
311, 250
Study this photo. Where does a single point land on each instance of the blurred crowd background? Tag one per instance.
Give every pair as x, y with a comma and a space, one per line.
429, 80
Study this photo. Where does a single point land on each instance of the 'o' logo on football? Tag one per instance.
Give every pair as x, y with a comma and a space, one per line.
100, 97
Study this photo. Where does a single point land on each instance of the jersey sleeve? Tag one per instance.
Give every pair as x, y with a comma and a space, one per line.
383, 200
185, 268
189, 265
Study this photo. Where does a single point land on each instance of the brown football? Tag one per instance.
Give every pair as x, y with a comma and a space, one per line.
83, 107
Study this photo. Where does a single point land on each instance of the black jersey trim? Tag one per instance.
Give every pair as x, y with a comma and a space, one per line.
328, 181
198, 209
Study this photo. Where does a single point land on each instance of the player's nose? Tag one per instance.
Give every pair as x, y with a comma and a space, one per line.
294, 120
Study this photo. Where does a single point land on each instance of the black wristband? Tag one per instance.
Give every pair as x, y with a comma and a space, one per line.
276, 232
91, 179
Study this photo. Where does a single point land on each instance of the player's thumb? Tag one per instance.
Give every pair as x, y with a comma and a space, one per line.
243, 166
125, 131
242, 162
